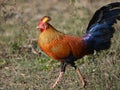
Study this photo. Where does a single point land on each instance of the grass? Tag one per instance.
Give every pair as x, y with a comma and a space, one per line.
24, 67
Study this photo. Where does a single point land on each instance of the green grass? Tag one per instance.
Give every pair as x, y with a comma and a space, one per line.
21, 68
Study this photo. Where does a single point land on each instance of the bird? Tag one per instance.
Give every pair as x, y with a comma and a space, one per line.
67, 48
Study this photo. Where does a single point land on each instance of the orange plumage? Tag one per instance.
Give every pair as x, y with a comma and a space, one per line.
67, 49
60, 46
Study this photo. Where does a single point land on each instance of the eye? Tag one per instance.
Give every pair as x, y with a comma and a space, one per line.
42, 26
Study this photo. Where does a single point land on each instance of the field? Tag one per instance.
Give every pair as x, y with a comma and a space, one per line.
24, 67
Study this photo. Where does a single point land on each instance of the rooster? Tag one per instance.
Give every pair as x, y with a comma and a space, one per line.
67, 49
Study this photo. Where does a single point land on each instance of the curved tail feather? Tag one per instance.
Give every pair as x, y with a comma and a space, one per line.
107, 12
100, 30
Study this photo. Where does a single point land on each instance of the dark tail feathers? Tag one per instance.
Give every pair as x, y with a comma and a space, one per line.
100, 30
106, 13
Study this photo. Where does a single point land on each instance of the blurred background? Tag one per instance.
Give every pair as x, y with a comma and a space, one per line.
24, 67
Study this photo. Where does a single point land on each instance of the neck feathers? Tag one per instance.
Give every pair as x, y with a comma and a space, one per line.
50, 34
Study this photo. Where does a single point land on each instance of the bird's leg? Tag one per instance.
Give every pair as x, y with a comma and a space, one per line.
81, 77
79, 74
63, 66
58, 79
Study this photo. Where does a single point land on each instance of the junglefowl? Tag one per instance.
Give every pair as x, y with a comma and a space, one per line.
67, 49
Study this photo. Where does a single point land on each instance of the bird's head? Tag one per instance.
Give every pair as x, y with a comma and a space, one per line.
43, 23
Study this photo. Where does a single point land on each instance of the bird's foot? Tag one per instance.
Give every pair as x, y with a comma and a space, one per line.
81, 77
83, 83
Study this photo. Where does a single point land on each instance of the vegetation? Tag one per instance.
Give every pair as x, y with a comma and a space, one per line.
24, 67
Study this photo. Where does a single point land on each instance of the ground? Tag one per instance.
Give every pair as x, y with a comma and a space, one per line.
24, 67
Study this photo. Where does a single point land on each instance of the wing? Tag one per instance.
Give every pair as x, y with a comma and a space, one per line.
69, 47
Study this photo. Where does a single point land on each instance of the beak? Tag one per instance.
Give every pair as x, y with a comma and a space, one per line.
37, 27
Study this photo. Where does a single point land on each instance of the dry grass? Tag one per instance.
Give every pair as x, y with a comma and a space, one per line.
23, 67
